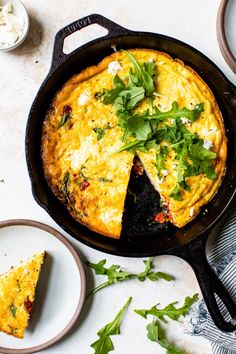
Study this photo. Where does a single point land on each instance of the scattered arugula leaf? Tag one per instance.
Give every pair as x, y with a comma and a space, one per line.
170, 310
156, 334
150, 274
115, 274
104, 344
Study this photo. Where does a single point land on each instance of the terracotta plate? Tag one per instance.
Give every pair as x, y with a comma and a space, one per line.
61, 288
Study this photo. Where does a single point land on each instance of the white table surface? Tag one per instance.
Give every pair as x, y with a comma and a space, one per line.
21, 73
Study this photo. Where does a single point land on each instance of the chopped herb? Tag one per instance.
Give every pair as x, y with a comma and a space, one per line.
82, 175
13, 310
100, 132
115, 274
65, 116
13, 329
104, 344
170, 310
2, 180
101, 179
66, 183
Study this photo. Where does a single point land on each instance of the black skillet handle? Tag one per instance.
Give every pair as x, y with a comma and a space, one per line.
113, 30
210, 284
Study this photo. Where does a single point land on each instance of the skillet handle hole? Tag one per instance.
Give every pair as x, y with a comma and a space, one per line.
83, 36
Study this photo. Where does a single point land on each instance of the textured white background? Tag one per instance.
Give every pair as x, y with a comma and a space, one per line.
20, 78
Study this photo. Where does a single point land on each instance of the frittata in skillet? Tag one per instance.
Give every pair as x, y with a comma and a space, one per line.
137, 102
17, 294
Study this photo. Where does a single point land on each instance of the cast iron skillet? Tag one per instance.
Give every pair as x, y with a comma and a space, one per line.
140, 238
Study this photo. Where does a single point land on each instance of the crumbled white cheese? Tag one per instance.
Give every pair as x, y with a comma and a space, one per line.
191, 211
114, 67
164, 173
185, 121
78, 157
83, 98
151, 60
11, 26
207, 144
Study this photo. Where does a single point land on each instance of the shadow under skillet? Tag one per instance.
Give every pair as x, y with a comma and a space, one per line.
41, 292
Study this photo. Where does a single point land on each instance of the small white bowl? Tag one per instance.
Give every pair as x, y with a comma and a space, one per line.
18, 10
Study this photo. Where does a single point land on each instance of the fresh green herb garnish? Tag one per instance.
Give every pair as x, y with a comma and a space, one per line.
13, 310
170, 310
81, 173
143, 74
104, 344
156, 334
115, 274
101, 179
164, 132
100, 132
66, 115
66, 183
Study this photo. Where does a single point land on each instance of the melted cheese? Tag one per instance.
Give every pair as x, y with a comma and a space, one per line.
17, 293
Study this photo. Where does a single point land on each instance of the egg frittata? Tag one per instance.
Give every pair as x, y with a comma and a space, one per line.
137, 102
17, 294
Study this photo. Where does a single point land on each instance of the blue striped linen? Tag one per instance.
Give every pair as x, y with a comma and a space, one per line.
222, 257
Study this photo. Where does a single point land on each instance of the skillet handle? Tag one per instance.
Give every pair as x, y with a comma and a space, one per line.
113, 30
210, 284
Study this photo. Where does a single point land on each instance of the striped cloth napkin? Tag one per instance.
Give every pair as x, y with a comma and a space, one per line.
222, 257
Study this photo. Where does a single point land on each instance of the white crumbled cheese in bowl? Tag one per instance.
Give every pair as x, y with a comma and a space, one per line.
11, 26
114, 67
207, 144
83, 98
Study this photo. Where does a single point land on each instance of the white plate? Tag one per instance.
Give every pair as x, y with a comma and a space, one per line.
61, 287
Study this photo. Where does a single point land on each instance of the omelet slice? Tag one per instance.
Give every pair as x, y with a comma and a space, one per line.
17, 295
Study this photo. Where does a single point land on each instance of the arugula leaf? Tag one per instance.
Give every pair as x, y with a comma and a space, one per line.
145, 74
148, 272
100, 132
156, 334
139, 127
170, 310
104, 344
110, 96
177, 112
115, 274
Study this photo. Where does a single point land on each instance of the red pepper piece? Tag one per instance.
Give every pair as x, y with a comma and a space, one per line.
84, 184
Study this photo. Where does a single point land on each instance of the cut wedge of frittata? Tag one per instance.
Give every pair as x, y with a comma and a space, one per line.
17, 294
